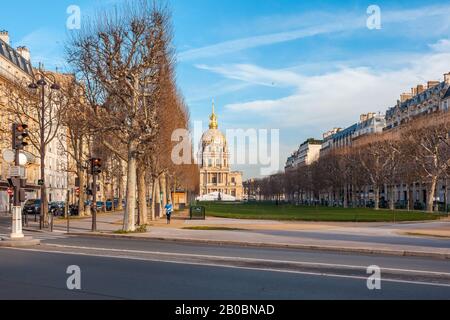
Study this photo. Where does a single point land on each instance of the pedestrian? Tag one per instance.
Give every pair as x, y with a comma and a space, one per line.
169, 211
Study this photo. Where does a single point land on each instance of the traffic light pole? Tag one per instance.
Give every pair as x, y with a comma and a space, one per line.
94, 203
16, 229
95, 166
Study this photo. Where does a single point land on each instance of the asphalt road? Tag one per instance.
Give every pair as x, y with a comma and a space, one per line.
133, 269
281, 254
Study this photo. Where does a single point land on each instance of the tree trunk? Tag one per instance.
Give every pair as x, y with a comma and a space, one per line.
430, 206
354, 200
129, 223
104, 196
377, 197
163, 190
345, 197
391, 198
158, 198
408, 197
44, 201
82, 196
120, 191
142, 198
153, 191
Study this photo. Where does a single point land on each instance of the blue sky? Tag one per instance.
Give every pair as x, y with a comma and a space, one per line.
299, 66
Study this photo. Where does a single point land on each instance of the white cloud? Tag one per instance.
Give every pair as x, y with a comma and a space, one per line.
442, 45
263, 40
336, 98
255, 75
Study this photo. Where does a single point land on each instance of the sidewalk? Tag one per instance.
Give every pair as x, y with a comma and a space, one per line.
364, 238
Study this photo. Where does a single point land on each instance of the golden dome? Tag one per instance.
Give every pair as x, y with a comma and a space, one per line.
213, 136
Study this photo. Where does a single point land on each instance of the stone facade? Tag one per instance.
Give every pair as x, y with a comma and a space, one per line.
307, 153
15, 68
17, 72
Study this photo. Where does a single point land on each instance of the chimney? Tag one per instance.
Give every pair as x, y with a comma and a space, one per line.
405, 96
363, 118
4, 35
447, 78
420, 89
432, 84
24, 52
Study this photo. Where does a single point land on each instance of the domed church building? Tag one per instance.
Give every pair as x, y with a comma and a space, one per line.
217, 181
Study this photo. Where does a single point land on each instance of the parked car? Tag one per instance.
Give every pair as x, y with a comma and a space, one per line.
32, 206
109, 204
74, 210
100, 205
57, 208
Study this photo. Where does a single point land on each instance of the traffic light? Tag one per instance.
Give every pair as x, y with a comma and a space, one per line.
20, 136
96, 166
77, 191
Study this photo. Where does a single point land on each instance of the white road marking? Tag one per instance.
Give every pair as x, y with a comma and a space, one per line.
189, 255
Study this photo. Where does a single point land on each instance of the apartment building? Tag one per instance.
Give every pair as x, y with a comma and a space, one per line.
422, 100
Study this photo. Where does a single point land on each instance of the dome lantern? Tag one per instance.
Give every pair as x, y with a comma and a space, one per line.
213, 123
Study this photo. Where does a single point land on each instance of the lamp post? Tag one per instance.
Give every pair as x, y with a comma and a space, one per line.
42, 84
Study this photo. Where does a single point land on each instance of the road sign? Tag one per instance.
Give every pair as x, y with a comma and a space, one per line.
24, 157
197, 213
8, 155
23, 160
40, 182
17, 171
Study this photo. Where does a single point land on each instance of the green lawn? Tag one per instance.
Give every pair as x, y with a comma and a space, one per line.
266, 211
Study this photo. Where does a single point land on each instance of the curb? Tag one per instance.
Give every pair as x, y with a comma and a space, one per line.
21, 243
404, 253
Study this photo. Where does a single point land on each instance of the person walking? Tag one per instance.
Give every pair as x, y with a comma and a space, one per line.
169, 211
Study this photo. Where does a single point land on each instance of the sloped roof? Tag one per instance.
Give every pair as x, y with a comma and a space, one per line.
447, 94
15, 58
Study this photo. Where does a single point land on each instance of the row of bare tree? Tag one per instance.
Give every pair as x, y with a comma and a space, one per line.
120, 104
124, 64
416, 153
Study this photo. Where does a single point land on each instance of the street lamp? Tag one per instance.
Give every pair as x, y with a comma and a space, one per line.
41, 84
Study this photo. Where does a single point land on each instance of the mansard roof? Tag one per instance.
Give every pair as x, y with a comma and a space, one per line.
15, 58
447, 94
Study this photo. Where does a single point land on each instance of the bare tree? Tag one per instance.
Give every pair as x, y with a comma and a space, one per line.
429, 146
